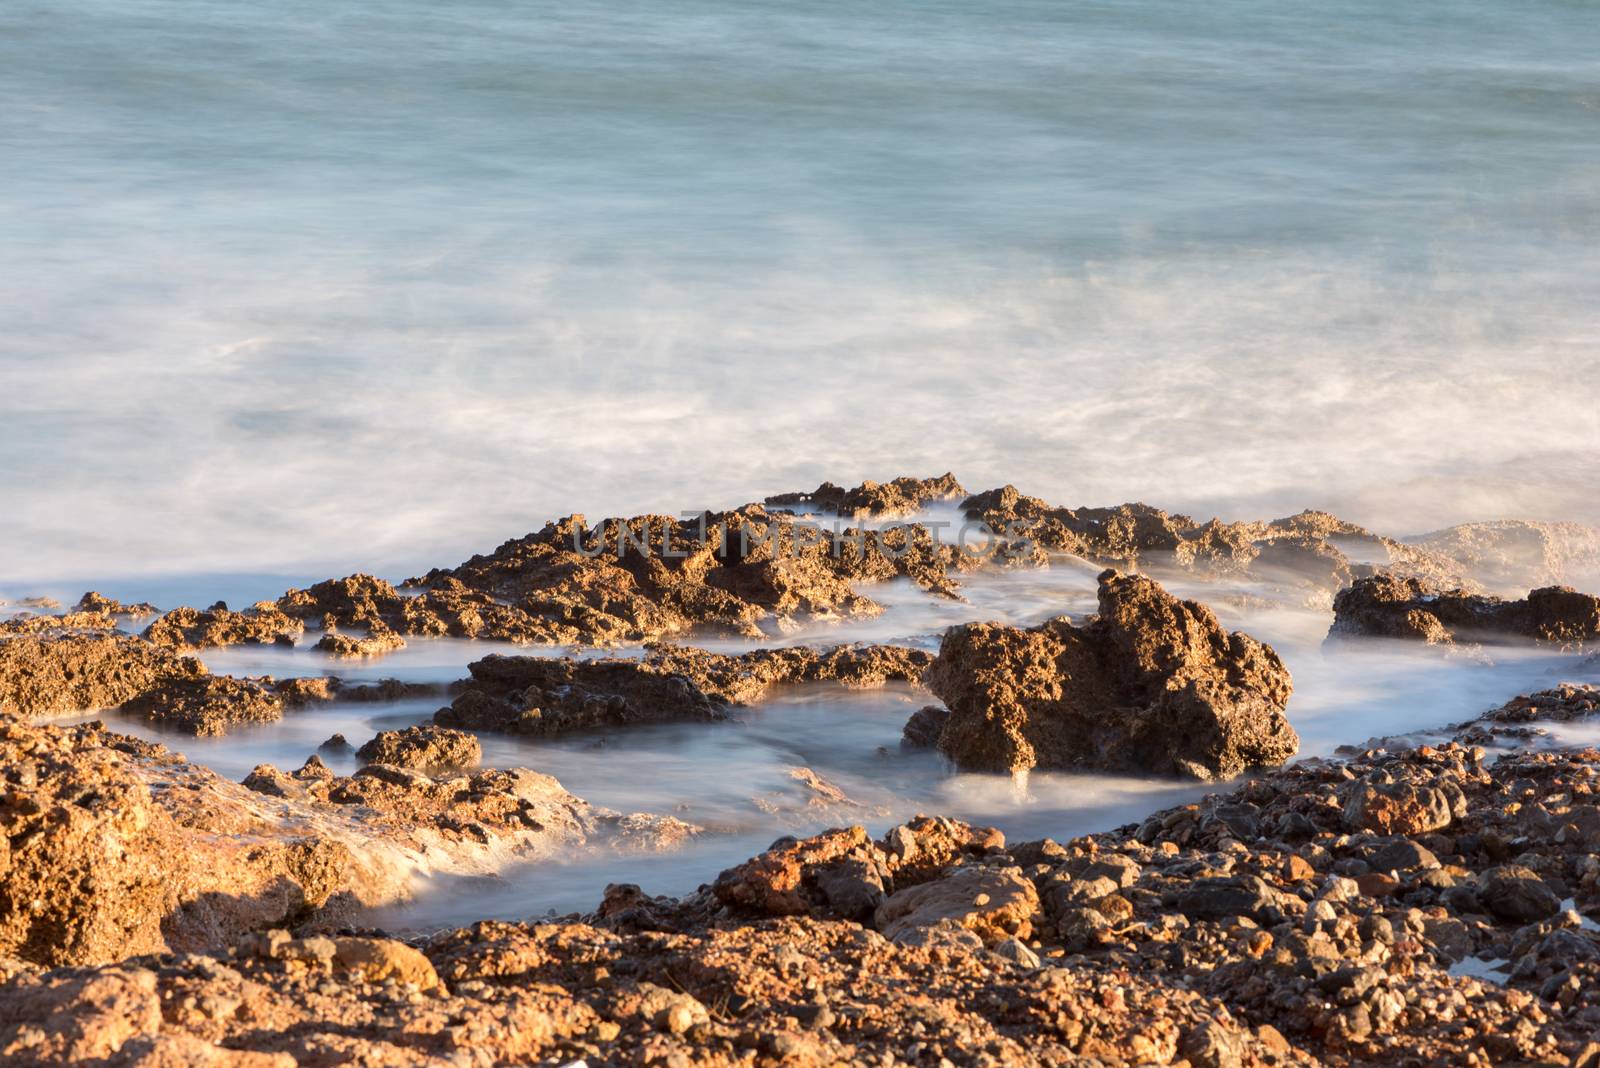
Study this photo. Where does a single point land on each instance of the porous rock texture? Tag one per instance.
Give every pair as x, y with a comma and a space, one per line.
60, 671
1256, 927
113, 847
522, 813
425, 748
1391, 606
896, 498
1311, 550
547, 696
1152, 684
742, 572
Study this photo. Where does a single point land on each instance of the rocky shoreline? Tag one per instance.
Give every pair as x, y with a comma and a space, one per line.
1397, 903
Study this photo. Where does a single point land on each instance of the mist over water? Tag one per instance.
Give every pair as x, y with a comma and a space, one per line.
736, 779
300, 289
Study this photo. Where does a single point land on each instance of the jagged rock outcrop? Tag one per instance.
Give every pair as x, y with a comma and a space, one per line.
741, 572
744, 678
1392, 606
843, 872
97, 603
898, 497
1252, 928
426, 748
1311, 550
113, 848
1152, 684
59, 672
206, 705
191, 628
546, 696
1518, 554
520, 812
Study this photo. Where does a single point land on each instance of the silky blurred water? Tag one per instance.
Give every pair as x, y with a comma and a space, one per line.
737, 779
303, 288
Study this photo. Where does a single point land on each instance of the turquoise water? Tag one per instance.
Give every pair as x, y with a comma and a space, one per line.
301, 288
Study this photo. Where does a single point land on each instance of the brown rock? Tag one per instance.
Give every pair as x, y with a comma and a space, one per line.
993, 903
1388, 606
189, 628
49, 674
1152, 684
378, 960
900, 497
427, 748
207, 705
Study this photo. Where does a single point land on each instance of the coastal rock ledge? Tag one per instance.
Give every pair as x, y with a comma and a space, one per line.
1152, 684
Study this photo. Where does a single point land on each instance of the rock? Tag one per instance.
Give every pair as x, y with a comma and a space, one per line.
1402, 855
996, 904
1222, 898
922, 730
376, 642
1152, 685
899, 497
93, 602
670, 1010
54, 673
1016, 952
1213, 1046
746, 677
206, 705
1517, 894
840, 870
1300, 552
426, 748
116, 849
1517, 554
544, 697
1390, 606
336, 743
653, 577
78, 1019
547, 696
1397, 808
190, 628
378, 960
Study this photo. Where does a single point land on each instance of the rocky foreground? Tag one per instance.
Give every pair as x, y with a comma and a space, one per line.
1401, 904
1422, 905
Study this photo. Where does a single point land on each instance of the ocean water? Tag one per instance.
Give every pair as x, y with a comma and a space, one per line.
736, 779
294, 288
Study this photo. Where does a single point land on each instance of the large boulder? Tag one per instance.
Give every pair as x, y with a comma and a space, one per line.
1152, 684
1392, 606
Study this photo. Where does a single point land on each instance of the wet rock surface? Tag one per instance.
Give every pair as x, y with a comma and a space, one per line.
114, 847
191, 628
1152, 684
1390, 606
548, 696
520, 811
206, 705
